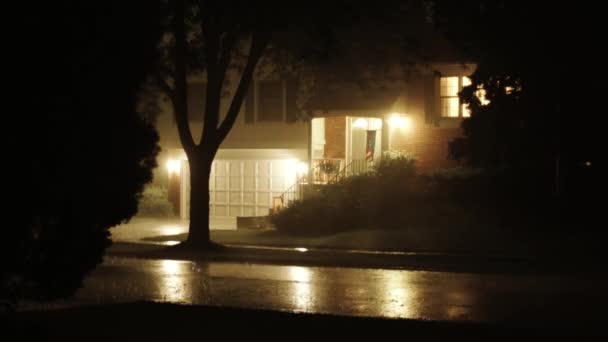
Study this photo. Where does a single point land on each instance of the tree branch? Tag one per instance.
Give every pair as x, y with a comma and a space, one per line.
214, 89
164, 86
227, 44
215, 82
180, 100
211, 47
259, 42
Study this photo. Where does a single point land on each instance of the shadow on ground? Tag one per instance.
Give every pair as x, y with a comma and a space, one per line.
169, 322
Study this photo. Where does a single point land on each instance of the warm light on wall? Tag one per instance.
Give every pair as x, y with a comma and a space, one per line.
173, 166
291, 169
375, 124
370, 124
360, 123
398, 121
302, 168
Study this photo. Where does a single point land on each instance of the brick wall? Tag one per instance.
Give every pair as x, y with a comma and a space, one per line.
427, 143
335, 130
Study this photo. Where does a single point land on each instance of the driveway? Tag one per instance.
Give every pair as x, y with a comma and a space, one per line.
138, 229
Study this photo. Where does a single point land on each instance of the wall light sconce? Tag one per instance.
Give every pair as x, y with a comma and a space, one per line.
173, 166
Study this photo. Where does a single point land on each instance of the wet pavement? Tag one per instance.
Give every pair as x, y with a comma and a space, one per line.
138, 229
350, 291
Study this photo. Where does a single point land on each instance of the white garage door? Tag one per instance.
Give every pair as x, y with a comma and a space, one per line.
247, 187
244, 182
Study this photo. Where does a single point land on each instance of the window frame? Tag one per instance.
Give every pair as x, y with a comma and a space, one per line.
256, 102
461, 110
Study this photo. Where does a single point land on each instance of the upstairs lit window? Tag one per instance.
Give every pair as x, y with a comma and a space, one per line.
451, 106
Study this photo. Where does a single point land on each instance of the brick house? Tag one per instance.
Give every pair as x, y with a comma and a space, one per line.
419, 119
269, 150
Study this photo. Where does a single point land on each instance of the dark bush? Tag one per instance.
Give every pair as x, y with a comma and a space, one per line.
80, 155
395, 196
360, 202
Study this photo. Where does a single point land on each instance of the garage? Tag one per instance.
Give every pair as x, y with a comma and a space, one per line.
243, 187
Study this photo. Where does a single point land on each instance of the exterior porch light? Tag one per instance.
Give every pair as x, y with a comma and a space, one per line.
369, 124
302, 168
360, 123
400, 121
173, 166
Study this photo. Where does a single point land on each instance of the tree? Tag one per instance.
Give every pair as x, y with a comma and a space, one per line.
215, 36
80, 154
316, 42
540, 128
518, 125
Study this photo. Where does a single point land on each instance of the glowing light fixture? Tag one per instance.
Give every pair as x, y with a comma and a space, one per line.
370, 124
360, 123
173, 166
399, 121
587, 163
302, 168
301, 249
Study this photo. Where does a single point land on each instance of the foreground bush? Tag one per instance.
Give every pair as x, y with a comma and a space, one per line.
81, 164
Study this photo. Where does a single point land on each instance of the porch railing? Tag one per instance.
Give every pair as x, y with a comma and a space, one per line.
323, 174
354, 168
295, 191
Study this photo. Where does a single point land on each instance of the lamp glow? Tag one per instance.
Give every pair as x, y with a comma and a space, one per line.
360, 123
302, 168
398, 121
173, 166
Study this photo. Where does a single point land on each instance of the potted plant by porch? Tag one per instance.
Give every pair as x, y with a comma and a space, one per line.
328, 169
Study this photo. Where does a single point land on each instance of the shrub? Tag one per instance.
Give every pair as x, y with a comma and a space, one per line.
359, 202
396, 196
155, 202
86, 155
394, 166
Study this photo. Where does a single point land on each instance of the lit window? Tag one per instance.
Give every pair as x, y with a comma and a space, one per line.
451, 106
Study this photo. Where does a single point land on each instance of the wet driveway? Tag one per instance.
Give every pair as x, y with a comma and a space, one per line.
348, 291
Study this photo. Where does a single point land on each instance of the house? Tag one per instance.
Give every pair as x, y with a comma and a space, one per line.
269, 150
419, 119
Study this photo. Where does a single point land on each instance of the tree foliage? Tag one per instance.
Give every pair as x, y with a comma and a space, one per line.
519, 50
80, 154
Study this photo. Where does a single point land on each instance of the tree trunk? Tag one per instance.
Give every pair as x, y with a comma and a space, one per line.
200, 171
